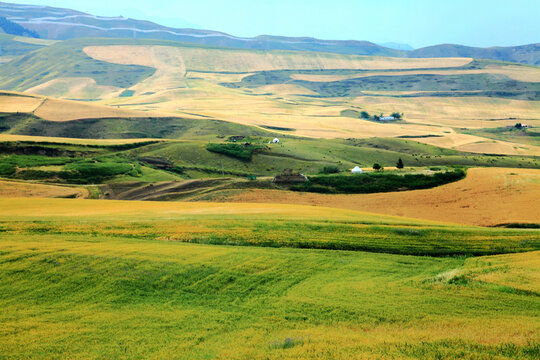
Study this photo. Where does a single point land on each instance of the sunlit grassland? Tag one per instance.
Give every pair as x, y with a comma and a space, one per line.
87, 279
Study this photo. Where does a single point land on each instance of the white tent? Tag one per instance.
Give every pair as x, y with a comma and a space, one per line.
276, 141
357, 170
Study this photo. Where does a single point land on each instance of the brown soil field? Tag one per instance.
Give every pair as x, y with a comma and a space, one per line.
12, 189
488, 196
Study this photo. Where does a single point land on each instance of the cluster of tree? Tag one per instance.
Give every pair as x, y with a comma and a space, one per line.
376, 182
519, 126
13, 28
399, 165
366, 115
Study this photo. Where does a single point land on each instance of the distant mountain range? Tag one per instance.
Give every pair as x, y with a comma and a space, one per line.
62, 24
397, 46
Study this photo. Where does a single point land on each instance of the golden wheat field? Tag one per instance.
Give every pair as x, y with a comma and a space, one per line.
25, 207
75, 88
62, 140
59, 110
15, 189
219, 60
488, 196
188, 82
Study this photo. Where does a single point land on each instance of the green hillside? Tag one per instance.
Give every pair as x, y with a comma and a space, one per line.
11, 47
66, 59
187, 153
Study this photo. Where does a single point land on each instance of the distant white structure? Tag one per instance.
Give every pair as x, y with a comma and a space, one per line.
275, 141
387, 118
357, 170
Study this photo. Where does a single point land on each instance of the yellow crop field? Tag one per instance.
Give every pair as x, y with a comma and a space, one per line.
488, 196
217, 60
470, 112
188, 82
20, 208
476, 144
12, 189
14, 103
281, 106
9, 137
527, 74
66, 110
75, 88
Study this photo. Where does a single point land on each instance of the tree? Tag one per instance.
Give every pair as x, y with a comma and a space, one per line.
397, 115
330, 170
518, 126
399, 164
377, 167
13, 28
364, 115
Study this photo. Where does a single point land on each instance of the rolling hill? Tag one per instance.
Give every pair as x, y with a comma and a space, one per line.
147, 210
525, 54
447, 101
61, 24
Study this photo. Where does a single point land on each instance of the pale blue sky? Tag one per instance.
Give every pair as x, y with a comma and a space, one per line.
416, 22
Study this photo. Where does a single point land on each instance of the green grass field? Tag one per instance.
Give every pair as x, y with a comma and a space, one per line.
190, 152
79, 283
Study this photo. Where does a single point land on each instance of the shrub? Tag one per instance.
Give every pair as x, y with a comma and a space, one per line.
330, 170
242, 152
103, 170
7, 169
397, 115
372, 183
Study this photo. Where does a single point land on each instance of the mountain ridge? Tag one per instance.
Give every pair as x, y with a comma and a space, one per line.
63, 24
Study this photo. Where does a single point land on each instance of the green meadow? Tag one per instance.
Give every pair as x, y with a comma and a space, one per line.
200, 281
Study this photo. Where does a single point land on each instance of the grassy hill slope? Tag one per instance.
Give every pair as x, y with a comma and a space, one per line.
65, 60
10, 46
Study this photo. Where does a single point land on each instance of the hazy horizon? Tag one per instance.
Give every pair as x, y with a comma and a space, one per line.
418, 23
